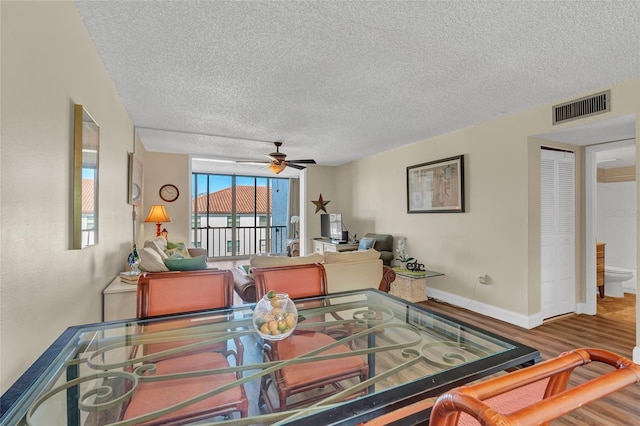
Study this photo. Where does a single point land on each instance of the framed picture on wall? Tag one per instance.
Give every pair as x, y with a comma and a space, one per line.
135, 180
436, 186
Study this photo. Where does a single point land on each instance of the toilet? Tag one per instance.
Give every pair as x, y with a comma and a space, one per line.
613, 279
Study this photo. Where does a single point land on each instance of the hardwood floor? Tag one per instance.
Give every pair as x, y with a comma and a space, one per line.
619, 309
553, 338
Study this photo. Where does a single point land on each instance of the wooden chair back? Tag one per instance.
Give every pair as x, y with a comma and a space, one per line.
301, 281
298, 281
176, 292
388, 276
533, 395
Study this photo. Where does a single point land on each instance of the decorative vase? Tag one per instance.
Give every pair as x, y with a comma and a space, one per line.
275, 316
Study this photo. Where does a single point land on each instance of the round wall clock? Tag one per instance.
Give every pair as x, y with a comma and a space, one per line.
169, 193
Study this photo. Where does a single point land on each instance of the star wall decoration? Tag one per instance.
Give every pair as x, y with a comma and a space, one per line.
320, 204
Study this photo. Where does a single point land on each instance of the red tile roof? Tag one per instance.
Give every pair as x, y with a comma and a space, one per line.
220, 201
87, 195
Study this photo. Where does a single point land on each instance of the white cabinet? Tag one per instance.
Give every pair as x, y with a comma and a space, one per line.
119, 301
322, 245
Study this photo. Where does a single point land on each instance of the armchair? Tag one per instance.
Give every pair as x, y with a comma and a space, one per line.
175, 292
532, 395
383, 244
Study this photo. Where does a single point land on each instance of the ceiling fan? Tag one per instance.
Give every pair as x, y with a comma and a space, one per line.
279, 162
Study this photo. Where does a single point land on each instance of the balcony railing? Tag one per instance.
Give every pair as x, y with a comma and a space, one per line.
219, 241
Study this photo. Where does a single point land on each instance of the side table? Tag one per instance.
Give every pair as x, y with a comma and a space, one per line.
411, 287
119, 301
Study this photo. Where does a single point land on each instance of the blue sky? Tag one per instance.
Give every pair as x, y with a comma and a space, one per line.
218, 182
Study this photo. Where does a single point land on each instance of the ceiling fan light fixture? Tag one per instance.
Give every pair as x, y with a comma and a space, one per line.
277, 168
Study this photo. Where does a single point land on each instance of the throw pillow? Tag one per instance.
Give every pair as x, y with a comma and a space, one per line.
351, 256
272, 261
366, 243
151, 261
177, 248
186, 264
158, 246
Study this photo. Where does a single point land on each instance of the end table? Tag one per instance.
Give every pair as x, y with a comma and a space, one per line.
411, 286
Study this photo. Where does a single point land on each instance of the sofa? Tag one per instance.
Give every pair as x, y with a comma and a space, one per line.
345, 271
384, 245
160, 255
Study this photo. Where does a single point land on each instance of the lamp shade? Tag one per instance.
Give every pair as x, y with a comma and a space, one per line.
157, 214
277, 168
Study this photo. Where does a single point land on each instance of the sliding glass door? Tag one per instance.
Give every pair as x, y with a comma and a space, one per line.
236, 216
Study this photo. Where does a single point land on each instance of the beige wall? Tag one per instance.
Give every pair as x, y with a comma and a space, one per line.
319, 180
48, 64
161, 169
498, 235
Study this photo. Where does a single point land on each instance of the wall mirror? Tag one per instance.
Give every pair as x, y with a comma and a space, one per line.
86, 150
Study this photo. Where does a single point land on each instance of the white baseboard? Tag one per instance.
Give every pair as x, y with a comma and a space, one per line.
583, 308
511, 317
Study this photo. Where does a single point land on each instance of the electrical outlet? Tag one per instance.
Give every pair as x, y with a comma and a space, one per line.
482, 279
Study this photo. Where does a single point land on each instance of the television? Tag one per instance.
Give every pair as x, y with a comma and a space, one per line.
331, 226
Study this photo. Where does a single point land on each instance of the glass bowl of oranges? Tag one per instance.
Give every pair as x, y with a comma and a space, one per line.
275, 316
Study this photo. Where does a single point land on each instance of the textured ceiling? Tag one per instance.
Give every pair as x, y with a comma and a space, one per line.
338, 81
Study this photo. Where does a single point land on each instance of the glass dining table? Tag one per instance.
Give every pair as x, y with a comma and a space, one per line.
89, 373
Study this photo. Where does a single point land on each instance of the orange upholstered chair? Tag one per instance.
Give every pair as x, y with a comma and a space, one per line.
303, 281
170, 293
163, 293
531, 396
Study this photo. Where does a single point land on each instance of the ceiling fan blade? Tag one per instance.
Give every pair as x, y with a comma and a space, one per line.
295, 166
252, 162
302, 161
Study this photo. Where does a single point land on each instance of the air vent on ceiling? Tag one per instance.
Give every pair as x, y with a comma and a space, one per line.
583, 107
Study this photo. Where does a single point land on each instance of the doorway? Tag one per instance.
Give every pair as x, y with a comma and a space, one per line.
598, 136
611, 209
557, 232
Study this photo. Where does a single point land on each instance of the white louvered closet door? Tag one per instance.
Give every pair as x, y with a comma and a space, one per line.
557, 229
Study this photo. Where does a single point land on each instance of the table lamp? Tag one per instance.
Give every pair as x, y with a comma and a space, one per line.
157, 214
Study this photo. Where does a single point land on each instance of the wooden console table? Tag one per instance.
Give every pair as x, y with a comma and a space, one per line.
411, 287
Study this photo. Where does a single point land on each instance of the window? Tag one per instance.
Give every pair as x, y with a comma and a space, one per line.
230, 245
230, 221
239, 215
